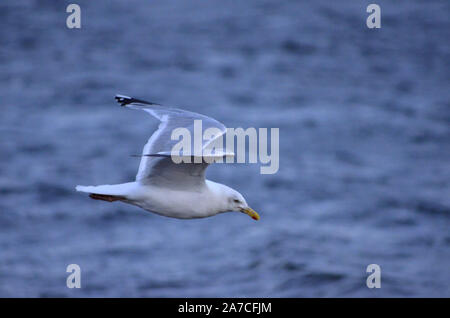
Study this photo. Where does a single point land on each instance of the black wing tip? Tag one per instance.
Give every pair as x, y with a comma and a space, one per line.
124, 100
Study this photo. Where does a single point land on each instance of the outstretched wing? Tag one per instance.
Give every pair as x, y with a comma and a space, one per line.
156, 165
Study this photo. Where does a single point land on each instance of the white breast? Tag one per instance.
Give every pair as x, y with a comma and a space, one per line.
183, 204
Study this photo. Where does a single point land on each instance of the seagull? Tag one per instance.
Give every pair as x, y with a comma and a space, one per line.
176, 190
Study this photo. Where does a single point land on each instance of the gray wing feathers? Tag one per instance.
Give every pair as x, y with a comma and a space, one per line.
162, 170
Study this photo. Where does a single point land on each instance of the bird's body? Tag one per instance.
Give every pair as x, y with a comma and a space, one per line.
177, 190
176, 203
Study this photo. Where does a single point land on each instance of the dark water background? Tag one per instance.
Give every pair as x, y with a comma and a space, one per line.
364, 157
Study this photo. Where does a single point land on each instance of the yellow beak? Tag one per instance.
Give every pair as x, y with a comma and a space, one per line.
252, 213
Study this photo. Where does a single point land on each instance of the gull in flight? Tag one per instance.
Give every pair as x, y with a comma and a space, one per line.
177, 190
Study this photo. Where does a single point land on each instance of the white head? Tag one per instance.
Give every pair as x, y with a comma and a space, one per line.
231, 200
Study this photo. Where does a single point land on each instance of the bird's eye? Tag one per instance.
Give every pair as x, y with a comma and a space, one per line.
236, 201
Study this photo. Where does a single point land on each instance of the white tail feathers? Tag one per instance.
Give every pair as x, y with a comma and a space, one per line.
122, 189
